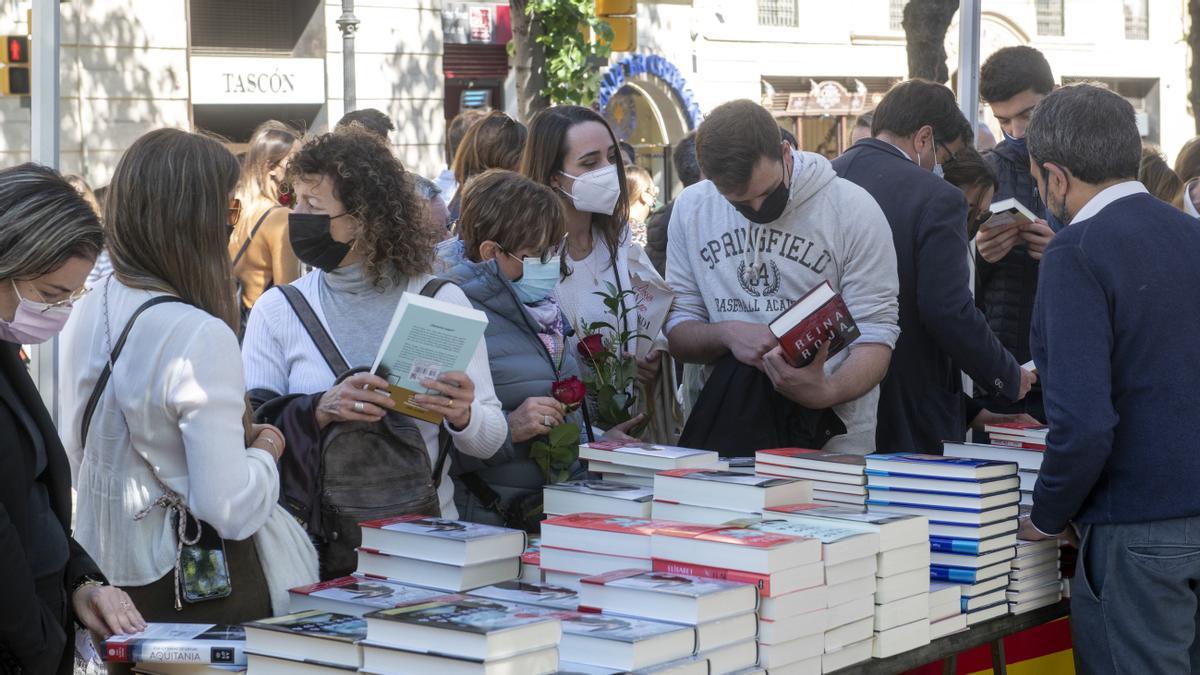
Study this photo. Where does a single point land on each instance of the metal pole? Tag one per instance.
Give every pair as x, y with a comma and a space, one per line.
968, 60
43, 358
348, 25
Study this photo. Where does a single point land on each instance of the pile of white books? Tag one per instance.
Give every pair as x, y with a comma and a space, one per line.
356, 595
309, 642
636, 463
450, 555
586, 544
972, 509
849, 559
597, 496
1027, 454
462, 634
1035, 580
838, 479
531, 561
789, 574
716, 496
946, 615
901, 569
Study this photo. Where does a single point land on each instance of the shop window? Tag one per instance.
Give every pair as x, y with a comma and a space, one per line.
249, 26
1137, 19
1050, 18
778, 13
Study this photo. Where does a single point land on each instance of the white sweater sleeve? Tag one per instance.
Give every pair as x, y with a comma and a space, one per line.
871, 285
488, 428
689, 303
262, 355
230, 486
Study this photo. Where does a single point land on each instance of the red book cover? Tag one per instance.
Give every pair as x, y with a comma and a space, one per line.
619, 524
1018, 444
790, 452
798, 508
1020, 427
760, 581
602, 579
820, 316
332, 583
116, 653
734, 536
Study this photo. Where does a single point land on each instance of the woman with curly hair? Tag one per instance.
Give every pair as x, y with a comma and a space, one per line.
359, 223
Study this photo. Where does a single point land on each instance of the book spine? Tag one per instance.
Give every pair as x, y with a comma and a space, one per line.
175, 651
1021, 445
949, 545
951, 574
761, 581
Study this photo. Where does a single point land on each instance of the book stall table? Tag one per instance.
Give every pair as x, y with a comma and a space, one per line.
946, 649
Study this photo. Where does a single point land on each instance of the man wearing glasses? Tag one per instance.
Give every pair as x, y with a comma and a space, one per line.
916, 128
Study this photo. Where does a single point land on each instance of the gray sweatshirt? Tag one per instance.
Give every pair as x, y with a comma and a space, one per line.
831, 230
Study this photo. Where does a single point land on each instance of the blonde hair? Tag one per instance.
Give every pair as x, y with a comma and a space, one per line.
269, 147
1159, 178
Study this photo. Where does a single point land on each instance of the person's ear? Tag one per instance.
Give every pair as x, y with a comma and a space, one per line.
924, 139
489, 250
1058, 178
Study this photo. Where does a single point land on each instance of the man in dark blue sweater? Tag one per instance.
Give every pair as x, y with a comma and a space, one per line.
1115, 338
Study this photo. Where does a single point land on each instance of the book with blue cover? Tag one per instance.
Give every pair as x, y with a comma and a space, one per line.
972, 546
963, 575
948, 486
938, 515
936, 466
945, 500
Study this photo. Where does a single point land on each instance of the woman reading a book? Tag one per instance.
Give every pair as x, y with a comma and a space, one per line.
51, 239
360, 224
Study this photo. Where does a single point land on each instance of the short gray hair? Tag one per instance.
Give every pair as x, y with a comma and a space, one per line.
44, 222
426, 189
1088, 130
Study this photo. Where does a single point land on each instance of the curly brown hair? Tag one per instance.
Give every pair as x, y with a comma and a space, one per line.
380, 194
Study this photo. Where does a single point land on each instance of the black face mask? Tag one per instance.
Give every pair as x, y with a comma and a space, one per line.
772, 206
310, 238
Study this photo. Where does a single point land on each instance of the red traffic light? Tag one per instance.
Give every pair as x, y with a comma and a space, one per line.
16, 49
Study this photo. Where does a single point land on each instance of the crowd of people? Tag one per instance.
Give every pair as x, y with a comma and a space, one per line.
218, 316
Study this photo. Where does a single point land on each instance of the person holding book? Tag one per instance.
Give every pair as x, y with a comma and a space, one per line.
1012, 82
917, 127
52, 237
770, 225
259, 248
1114, 339
361, 226
153, 405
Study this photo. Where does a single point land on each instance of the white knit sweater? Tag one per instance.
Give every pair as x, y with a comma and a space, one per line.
279, 356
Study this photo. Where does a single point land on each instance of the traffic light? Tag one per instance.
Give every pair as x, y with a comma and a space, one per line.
15, 78
621, 15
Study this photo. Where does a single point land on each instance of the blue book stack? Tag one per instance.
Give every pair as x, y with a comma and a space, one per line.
972, 506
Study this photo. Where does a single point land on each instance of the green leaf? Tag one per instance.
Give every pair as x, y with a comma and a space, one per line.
565, 434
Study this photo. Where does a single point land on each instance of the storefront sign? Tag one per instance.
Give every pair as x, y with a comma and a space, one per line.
650, 64
225, 80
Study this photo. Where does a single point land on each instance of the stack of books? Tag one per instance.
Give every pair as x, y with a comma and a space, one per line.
531, 561
438, 553
849, 559
598, 496
1035, 580
716, 496
901, 569
945, 609
720, 614
1027, 455
544, 595
309, 642
179, 648
636, 463
356, 595
972, 509
462, 634
788, 572
837, 479
586, 544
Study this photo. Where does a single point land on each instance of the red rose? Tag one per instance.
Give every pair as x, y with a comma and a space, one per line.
569, 392
285, 199
591, 347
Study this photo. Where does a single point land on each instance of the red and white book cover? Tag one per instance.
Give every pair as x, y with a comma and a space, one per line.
1035, 431
820, 317
760, 581
733, 536
787, 452
1017, 443
643, 527
726, 477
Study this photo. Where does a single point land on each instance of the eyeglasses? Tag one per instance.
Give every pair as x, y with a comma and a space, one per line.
235, 212
47, 306
546, 256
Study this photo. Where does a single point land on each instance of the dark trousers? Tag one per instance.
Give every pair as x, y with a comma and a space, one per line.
1135, 598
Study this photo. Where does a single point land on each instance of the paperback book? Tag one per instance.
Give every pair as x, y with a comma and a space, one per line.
197, 643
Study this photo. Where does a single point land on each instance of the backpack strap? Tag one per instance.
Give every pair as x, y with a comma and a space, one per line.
253, 231
316, 331
106, 373
432, 287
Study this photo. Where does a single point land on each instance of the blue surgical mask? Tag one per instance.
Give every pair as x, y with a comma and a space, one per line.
938, 170
1017, 144
449, 252
538, 279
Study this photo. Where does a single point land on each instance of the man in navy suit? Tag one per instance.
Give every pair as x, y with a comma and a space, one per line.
917, 126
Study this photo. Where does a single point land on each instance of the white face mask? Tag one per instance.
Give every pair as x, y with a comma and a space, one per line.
595, 191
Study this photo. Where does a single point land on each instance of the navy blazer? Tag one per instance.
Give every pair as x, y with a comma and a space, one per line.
941, 330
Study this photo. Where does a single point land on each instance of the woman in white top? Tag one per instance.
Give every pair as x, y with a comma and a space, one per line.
574, 151
167, 435
359, 223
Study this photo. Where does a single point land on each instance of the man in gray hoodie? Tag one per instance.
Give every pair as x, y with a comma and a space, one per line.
769, 225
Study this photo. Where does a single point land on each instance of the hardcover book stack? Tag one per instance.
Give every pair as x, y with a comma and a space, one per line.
586, 544
901, 599
1017, 442
849, 558
598, 496
789, 574
180, 648
1035, 580
636, 463
837, 479
716, 496
311, 642
451, 555
945, 609
720, 615
972, 509
459, 634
